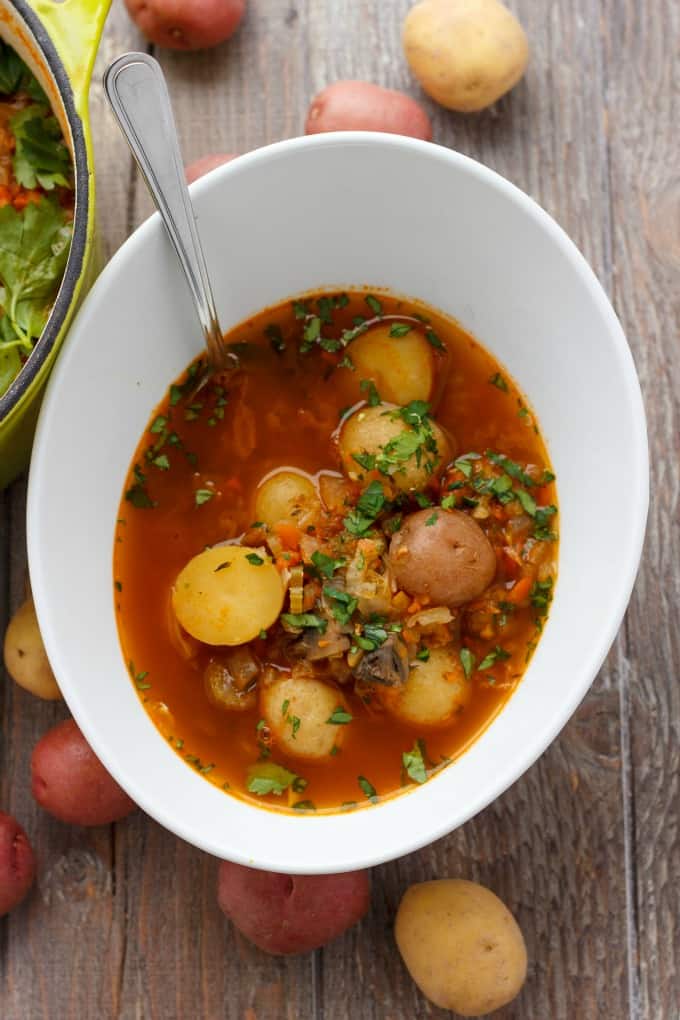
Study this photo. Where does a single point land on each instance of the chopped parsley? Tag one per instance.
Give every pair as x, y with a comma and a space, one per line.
369, 505
398, 329
373, 303
326, 565
541, 596
371, 635
499, 382
432, 519
414, 764
275, 337
202, 496
343, 605
497, 654
368, 789
423, 654
467, 661
434, 340
305, 620
267, 777
340, 717
256, 560
368, 387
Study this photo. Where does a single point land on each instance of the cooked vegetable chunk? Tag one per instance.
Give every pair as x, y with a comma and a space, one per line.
25, 657
362, 106
379, 438
297, 711
401, 366
443, 555
435, 690
465, 53
228, 594
69, 781
284, 496
230, 680
17, 864
461, 945
287, 914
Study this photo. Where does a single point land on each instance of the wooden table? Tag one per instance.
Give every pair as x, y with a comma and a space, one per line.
585, 848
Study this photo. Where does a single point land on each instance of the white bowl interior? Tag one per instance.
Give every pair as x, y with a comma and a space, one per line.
332, 211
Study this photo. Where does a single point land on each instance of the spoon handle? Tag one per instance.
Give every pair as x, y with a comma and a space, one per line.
136, 89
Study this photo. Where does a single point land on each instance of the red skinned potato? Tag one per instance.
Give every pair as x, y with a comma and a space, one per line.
17, 864
362, 106
287, 914
69, 781
178, 25
207, 163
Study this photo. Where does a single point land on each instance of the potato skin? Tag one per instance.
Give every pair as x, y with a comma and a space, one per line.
461, 945
433, 693
205, 164
466, 54
451, 561
25, 657
402, 368
17, 864
362, 106
178, 25
313, 703
69, 781
288, 914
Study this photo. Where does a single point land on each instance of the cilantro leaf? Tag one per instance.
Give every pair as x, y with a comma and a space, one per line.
326, 565
305, 620
343, 604
268, 777
340, 717
414, 764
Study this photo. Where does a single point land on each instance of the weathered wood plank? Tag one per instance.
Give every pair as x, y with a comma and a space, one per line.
643, 102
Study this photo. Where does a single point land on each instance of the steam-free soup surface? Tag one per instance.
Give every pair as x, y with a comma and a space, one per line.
331, 568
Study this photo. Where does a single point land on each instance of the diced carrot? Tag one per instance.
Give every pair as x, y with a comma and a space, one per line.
289, 534
520, 591
511, 567
415, 607
544, 495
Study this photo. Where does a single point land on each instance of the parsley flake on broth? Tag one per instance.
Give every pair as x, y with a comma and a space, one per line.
322, 634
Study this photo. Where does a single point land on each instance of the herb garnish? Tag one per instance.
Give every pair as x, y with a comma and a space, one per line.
343, 605
305, 620
326, 565
414, 763
368, 789
468, 662
339, 717
499, 382
256, 560
202, 496
267, 777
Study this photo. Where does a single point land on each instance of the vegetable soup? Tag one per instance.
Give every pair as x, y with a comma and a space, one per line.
332, 565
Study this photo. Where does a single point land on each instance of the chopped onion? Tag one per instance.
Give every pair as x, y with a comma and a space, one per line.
430, 618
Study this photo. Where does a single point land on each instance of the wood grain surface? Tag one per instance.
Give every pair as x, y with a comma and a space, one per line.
585, 848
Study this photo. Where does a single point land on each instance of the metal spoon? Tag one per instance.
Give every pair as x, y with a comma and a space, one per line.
136, 89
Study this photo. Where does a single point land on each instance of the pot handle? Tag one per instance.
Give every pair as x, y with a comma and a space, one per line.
75, 27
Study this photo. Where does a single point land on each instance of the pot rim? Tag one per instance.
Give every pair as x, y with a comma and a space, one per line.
74, 266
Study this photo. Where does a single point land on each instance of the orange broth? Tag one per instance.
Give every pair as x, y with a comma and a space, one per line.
282, 410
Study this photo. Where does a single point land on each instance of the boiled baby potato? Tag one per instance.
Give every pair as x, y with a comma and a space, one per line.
227, 594
443, 555
287, 914
25, 656
17, 864
179, 25
466, 54
461, 945
297, 710
401, 367
377, 432
284, 496
69, 781
434, 692
363, 106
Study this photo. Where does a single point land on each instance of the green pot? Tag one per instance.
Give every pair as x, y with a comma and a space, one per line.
59, 43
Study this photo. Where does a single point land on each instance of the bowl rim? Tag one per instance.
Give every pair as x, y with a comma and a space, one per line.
453, 817
45, 343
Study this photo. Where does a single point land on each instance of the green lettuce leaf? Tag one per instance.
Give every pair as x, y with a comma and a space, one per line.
41, 157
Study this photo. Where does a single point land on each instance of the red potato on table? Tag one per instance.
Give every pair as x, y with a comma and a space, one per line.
362, 106
288, 914
178, 25
17, 864
205, 164
69, 781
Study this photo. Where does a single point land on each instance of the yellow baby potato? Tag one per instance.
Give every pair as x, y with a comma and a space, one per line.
466, 54
434, 692
227, 594
25, 656
284, 497
401, 367
376, 432
461, 945
297, 711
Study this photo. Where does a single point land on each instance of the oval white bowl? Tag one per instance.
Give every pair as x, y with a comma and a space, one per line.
334, 210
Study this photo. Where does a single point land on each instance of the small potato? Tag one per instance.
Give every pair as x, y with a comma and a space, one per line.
205, 164
466, 54
69, 781
449, 559
17, 864
375, 430
284, 496
230, 680
401, 367
178, 25
361, 106
25, 657
434, 692
461, 945
287, 914
227, 594
312, 703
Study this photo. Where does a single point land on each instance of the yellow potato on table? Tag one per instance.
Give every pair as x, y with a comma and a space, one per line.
378, 433
461, 945
25, 657
400, 366
227, 594
284, 496
434, 692
466, 54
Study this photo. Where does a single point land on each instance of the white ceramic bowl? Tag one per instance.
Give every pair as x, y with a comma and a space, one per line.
336, 210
